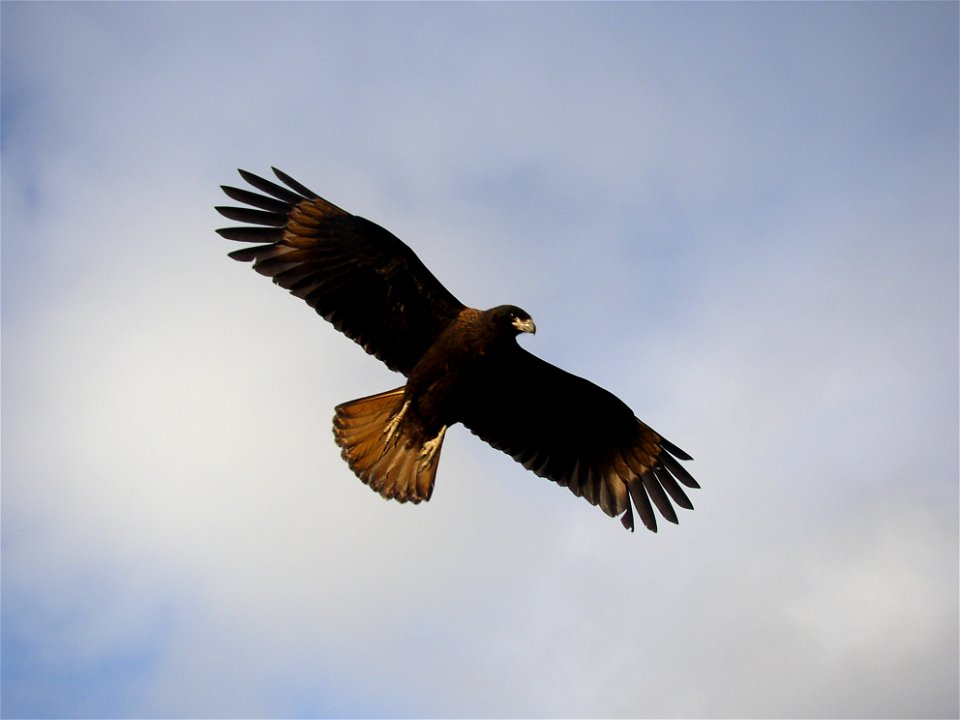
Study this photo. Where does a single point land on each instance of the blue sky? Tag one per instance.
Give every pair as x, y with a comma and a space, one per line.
741, 218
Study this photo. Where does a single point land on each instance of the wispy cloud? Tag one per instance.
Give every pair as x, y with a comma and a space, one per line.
740, 218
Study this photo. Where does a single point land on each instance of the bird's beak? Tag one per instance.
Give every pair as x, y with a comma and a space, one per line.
525, 326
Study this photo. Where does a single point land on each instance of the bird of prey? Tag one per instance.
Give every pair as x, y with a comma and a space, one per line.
461, 364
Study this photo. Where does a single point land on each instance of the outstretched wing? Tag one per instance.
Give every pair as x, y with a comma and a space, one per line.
577, 434
360, 277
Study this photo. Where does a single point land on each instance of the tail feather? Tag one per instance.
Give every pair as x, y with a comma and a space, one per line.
383, 451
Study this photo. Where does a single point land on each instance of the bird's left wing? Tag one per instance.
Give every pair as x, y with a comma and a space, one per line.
360, 277
577, 434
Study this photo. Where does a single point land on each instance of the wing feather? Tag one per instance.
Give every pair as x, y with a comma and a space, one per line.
354, 273
271, 188
258, 201
254, 217
251, 235
675, 492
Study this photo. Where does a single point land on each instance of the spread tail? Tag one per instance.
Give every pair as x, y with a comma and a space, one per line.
383, 451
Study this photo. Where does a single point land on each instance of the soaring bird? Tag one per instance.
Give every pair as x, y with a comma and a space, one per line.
461, 364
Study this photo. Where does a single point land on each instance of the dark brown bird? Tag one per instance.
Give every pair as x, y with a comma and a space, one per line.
462, 365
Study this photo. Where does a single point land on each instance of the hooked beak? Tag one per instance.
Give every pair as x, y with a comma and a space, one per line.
525, 326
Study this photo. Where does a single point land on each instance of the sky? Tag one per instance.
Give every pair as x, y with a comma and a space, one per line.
740, 218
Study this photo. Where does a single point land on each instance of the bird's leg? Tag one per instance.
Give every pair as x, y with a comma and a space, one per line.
390, 434
428, 453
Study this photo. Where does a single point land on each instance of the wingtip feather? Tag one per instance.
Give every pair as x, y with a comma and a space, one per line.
674, 450
293, 184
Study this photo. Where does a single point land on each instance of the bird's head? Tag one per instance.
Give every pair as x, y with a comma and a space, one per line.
512, 319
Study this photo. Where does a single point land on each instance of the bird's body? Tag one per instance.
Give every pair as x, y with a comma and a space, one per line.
392, 440
462, 365
435, 384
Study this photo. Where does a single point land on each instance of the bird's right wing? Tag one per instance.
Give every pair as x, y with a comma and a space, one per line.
360, 277
571, 431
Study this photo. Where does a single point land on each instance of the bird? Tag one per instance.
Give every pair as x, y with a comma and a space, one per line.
462, 365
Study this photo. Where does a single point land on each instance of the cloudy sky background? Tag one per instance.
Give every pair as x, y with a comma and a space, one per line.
742, 219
